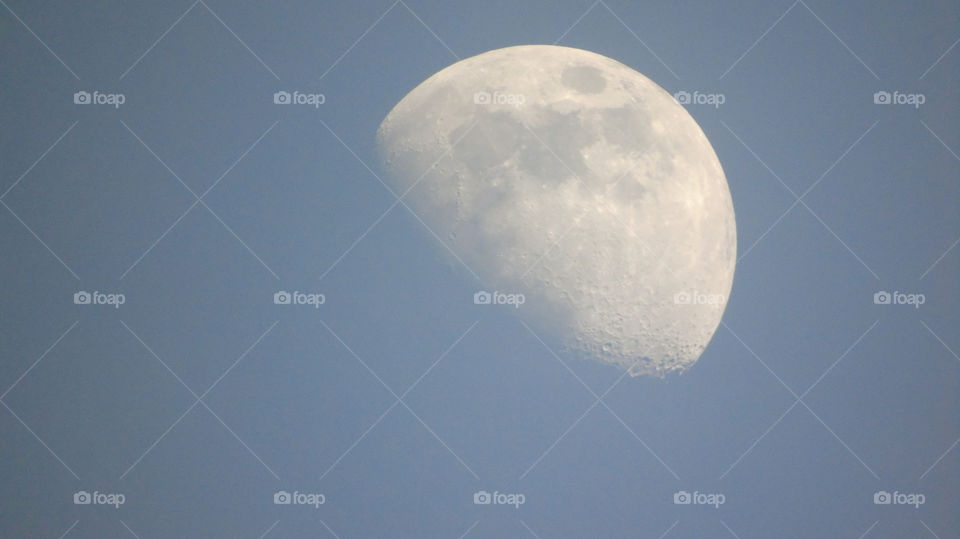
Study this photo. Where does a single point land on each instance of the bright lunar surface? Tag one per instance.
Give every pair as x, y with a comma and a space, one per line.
568, 177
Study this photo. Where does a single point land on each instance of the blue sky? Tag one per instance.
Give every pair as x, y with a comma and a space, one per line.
398, 399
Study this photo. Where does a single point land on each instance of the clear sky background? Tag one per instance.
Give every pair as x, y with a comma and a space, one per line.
199, 398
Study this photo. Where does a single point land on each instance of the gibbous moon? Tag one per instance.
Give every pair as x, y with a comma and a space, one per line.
568, 177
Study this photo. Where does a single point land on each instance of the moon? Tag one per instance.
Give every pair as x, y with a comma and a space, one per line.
570, 178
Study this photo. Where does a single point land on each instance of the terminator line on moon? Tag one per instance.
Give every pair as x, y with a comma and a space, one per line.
568, 177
